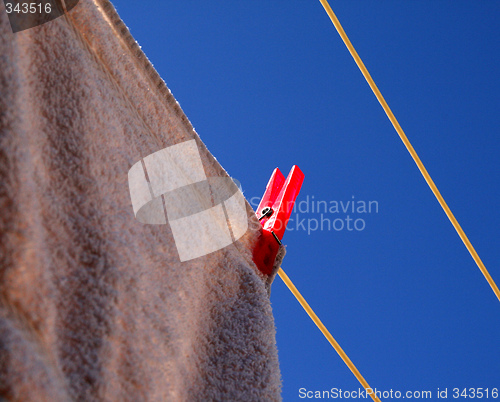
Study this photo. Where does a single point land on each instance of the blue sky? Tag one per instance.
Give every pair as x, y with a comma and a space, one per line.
270, 84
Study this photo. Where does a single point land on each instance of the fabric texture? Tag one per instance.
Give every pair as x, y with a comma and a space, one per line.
95, 305
277, 265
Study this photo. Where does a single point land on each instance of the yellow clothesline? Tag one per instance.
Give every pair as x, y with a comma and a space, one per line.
427, 178
408, 145
325, 331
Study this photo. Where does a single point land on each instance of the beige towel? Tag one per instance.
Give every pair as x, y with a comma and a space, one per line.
95, 305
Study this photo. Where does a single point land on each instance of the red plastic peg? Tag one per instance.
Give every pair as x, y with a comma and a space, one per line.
274, 212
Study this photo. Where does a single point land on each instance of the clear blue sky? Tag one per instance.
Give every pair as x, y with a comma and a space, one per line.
269, 83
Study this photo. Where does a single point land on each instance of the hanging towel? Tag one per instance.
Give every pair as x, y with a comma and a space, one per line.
96, 305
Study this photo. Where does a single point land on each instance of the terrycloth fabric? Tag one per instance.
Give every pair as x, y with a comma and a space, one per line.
277, 264
95, 305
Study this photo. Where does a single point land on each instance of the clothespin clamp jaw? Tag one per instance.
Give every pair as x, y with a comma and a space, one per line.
273, 213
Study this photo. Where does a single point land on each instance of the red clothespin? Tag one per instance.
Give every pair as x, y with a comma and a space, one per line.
274, 212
